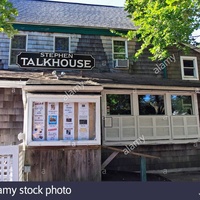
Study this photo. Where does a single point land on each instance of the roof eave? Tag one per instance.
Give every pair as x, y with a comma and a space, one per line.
76, 26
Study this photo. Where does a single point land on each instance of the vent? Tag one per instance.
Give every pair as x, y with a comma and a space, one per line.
121, 63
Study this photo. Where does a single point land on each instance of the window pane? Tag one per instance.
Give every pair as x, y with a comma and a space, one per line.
181, 105
19, 42
14, 53
62, 44
151, 104
119, 46
118, 104
188, 72
188, 63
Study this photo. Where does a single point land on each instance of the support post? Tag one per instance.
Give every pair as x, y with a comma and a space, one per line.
143, 169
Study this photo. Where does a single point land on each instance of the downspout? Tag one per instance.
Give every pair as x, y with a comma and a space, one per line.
24, 99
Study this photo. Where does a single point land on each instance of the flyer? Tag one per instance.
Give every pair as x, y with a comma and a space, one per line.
68, 121
83, 121
38, 121
52, 120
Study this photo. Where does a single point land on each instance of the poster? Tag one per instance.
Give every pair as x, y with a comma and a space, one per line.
68, 121
52, 121
38, 121
83, 121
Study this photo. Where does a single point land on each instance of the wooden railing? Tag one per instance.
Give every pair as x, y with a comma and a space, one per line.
142, 156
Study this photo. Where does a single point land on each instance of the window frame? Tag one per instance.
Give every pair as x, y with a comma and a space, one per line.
61, 36
126, 48
60, 98
10, 47
193, 99
195, 67
120, 114
128, 92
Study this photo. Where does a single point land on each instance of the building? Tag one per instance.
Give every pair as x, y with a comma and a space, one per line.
68, 114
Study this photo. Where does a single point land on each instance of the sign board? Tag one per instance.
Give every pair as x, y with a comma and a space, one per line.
54, 61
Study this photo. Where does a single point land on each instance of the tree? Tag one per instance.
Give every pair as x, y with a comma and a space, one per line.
7, 16
163, 23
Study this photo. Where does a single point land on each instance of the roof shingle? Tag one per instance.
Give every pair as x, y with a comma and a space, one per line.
71, 14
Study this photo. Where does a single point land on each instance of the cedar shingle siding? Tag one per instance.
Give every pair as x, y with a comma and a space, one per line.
11, 115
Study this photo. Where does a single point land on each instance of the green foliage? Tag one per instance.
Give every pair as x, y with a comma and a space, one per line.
163, 23
7, 16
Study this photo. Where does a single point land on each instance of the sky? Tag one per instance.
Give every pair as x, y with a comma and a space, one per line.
197, 33
99, 2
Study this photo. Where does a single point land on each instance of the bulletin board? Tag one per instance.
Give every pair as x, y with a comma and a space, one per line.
53, 121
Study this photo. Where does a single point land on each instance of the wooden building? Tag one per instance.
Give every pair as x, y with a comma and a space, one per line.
67, 115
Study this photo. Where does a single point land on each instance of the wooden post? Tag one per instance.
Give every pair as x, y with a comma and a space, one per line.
143, 169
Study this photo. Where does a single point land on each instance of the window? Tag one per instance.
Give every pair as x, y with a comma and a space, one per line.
189, 68
61, 44
120, 49
118, 104
151, 104
55, 121
181, 105
18, 45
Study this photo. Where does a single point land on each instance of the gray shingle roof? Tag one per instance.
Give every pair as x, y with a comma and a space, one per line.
71, 14
46, 78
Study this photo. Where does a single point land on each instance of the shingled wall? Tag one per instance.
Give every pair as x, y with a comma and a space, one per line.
144, 66
92, 44
11, 115
174, 69
172, 156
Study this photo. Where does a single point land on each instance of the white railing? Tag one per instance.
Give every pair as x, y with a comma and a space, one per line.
11, 163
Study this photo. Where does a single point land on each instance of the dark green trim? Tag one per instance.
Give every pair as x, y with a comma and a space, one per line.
165, 71
143, 170
59, 29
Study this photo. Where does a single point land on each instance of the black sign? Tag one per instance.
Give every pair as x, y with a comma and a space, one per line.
55, 60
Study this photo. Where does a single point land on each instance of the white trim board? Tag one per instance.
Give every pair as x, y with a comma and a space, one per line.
12, 84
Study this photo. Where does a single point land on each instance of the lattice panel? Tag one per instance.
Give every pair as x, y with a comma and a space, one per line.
6, 168
121, 128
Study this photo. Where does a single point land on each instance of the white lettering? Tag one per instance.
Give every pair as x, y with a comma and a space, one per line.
24, 59
87, 63
31, 62
9, 191
80, 63
38, 62
29, 190
60, 190
62, 63
173, 57
56, 62
42, 55
70, 63
47, 61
